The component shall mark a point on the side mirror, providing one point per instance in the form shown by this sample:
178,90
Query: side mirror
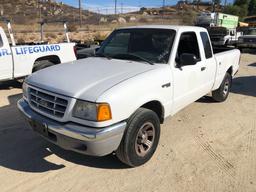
187,59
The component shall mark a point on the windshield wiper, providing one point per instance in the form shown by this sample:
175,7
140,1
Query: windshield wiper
131,56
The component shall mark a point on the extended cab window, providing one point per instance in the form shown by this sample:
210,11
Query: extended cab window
207,45
153,45
1,42
188,44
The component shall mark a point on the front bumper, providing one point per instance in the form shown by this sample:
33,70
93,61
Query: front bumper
71,136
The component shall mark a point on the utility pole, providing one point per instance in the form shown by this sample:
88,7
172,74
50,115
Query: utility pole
39,8
115,7
163,11
80,13
122,8
213,5
163,3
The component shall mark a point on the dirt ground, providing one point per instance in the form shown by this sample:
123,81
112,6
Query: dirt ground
204,148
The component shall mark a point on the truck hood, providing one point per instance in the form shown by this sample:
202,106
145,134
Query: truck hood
87,79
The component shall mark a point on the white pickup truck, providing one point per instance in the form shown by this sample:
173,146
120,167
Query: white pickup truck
221,36
116,101
20,61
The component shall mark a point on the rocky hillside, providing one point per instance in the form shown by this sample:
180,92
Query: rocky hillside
31,11
25,15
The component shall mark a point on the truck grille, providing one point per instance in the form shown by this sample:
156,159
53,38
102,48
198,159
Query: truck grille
47,103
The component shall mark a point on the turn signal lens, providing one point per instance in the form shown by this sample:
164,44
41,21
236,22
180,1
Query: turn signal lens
104,112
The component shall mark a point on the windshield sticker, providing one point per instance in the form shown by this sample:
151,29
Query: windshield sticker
37,49
4,52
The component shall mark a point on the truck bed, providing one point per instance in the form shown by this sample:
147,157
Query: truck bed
224,58
221,49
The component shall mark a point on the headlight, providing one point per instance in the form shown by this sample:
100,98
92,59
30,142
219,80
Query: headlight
25,90
92,111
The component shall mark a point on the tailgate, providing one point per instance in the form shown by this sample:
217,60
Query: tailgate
225,60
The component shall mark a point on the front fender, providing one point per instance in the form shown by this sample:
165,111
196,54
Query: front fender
126,97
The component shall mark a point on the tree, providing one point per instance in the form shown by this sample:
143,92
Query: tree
241,11
252,7
232,9
241,2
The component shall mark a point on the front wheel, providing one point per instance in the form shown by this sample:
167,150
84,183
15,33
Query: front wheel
222,93
140,139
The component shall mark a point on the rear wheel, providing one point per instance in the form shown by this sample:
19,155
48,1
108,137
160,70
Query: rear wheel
39,65
140,139
222,93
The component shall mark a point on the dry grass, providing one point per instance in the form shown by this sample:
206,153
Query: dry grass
88,33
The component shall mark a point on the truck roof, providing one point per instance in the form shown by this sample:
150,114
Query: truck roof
174,27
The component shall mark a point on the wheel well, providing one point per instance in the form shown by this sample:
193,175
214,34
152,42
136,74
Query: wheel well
230,71
157,107
52,58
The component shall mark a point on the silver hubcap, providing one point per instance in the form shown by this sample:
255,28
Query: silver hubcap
226,88
145,139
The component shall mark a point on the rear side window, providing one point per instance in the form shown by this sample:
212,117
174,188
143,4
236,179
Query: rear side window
188,44
1,41
207,45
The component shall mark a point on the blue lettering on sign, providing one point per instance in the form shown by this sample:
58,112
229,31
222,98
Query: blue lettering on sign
37,49
4,52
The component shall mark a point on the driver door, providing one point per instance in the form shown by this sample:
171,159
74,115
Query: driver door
187,81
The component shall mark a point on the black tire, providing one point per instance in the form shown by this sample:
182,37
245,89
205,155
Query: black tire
222,93
129,150
39,65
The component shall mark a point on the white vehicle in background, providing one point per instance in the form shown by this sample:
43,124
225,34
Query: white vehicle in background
221,27
221,36
17,61
116,101
248,40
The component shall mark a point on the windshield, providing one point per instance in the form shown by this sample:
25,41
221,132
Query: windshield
151,45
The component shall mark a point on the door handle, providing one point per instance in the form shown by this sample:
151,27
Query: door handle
166,85
203,68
